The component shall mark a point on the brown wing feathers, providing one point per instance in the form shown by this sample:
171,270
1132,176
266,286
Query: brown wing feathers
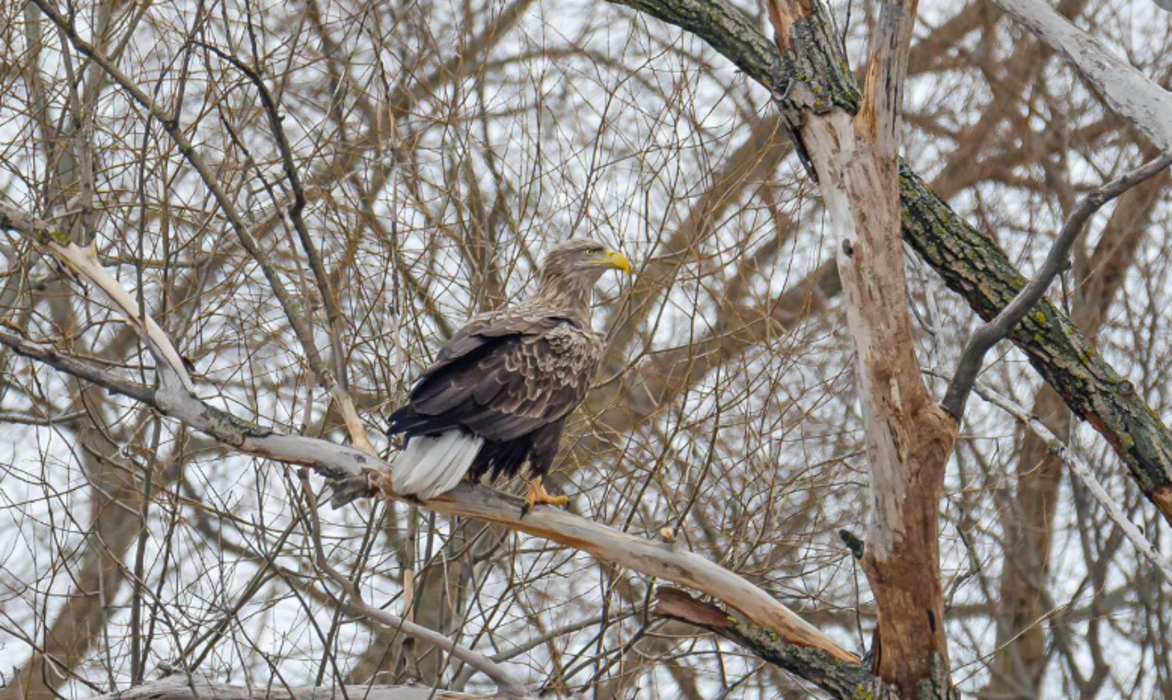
498,393
508,383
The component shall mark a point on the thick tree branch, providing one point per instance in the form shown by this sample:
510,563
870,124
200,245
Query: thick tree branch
840,679
993,332
908,437
969,261
179,688
1129,92
881,112
654,559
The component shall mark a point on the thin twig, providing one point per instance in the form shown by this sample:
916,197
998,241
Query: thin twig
506,684
299,323
1083,471
339,388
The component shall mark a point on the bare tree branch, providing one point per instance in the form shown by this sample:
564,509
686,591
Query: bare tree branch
339,389
1128,91
170,123
507,685
993,332
1083,471
841,680
970,262
356,468
179,688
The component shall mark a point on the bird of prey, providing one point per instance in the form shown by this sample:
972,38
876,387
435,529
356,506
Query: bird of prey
498,394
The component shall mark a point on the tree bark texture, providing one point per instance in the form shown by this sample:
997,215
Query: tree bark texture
969,261
909,437
841,680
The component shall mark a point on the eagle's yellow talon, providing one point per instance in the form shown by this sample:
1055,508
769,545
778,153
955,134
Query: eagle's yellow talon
539,496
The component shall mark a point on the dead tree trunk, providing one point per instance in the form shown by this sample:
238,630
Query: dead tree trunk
909,437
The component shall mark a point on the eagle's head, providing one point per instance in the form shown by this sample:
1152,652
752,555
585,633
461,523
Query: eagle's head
570,272
582,260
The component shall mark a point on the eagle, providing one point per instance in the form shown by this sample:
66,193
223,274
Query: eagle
498,393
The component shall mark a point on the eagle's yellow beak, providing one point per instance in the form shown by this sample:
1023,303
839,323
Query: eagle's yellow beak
615,259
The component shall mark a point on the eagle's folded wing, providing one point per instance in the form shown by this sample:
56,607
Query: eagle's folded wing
504,378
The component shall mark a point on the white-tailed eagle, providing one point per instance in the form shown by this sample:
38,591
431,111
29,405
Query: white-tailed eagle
498,394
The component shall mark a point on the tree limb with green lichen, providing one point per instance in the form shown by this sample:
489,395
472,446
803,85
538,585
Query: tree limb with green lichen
838,678
969,261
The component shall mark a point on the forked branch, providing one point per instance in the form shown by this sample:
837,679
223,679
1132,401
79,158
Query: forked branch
364,475
998,329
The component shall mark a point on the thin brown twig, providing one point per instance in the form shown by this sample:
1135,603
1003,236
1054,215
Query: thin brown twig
507,685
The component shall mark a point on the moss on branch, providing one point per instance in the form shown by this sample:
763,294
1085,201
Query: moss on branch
969,261
840,679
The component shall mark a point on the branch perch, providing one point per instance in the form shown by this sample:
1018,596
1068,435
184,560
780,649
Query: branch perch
358,474
178,688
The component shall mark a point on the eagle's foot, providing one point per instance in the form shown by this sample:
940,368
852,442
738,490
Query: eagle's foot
538,495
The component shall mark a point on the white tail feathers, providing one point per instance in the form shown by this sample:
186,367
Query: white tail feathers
434,465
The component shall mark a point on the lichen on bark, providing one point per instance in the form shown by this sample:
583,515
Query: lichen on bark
969,261
972,265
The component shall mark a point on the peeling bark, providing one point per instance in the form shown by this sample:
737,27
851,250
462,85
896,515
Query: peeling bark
909,437
1128,91
969,261
841,680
